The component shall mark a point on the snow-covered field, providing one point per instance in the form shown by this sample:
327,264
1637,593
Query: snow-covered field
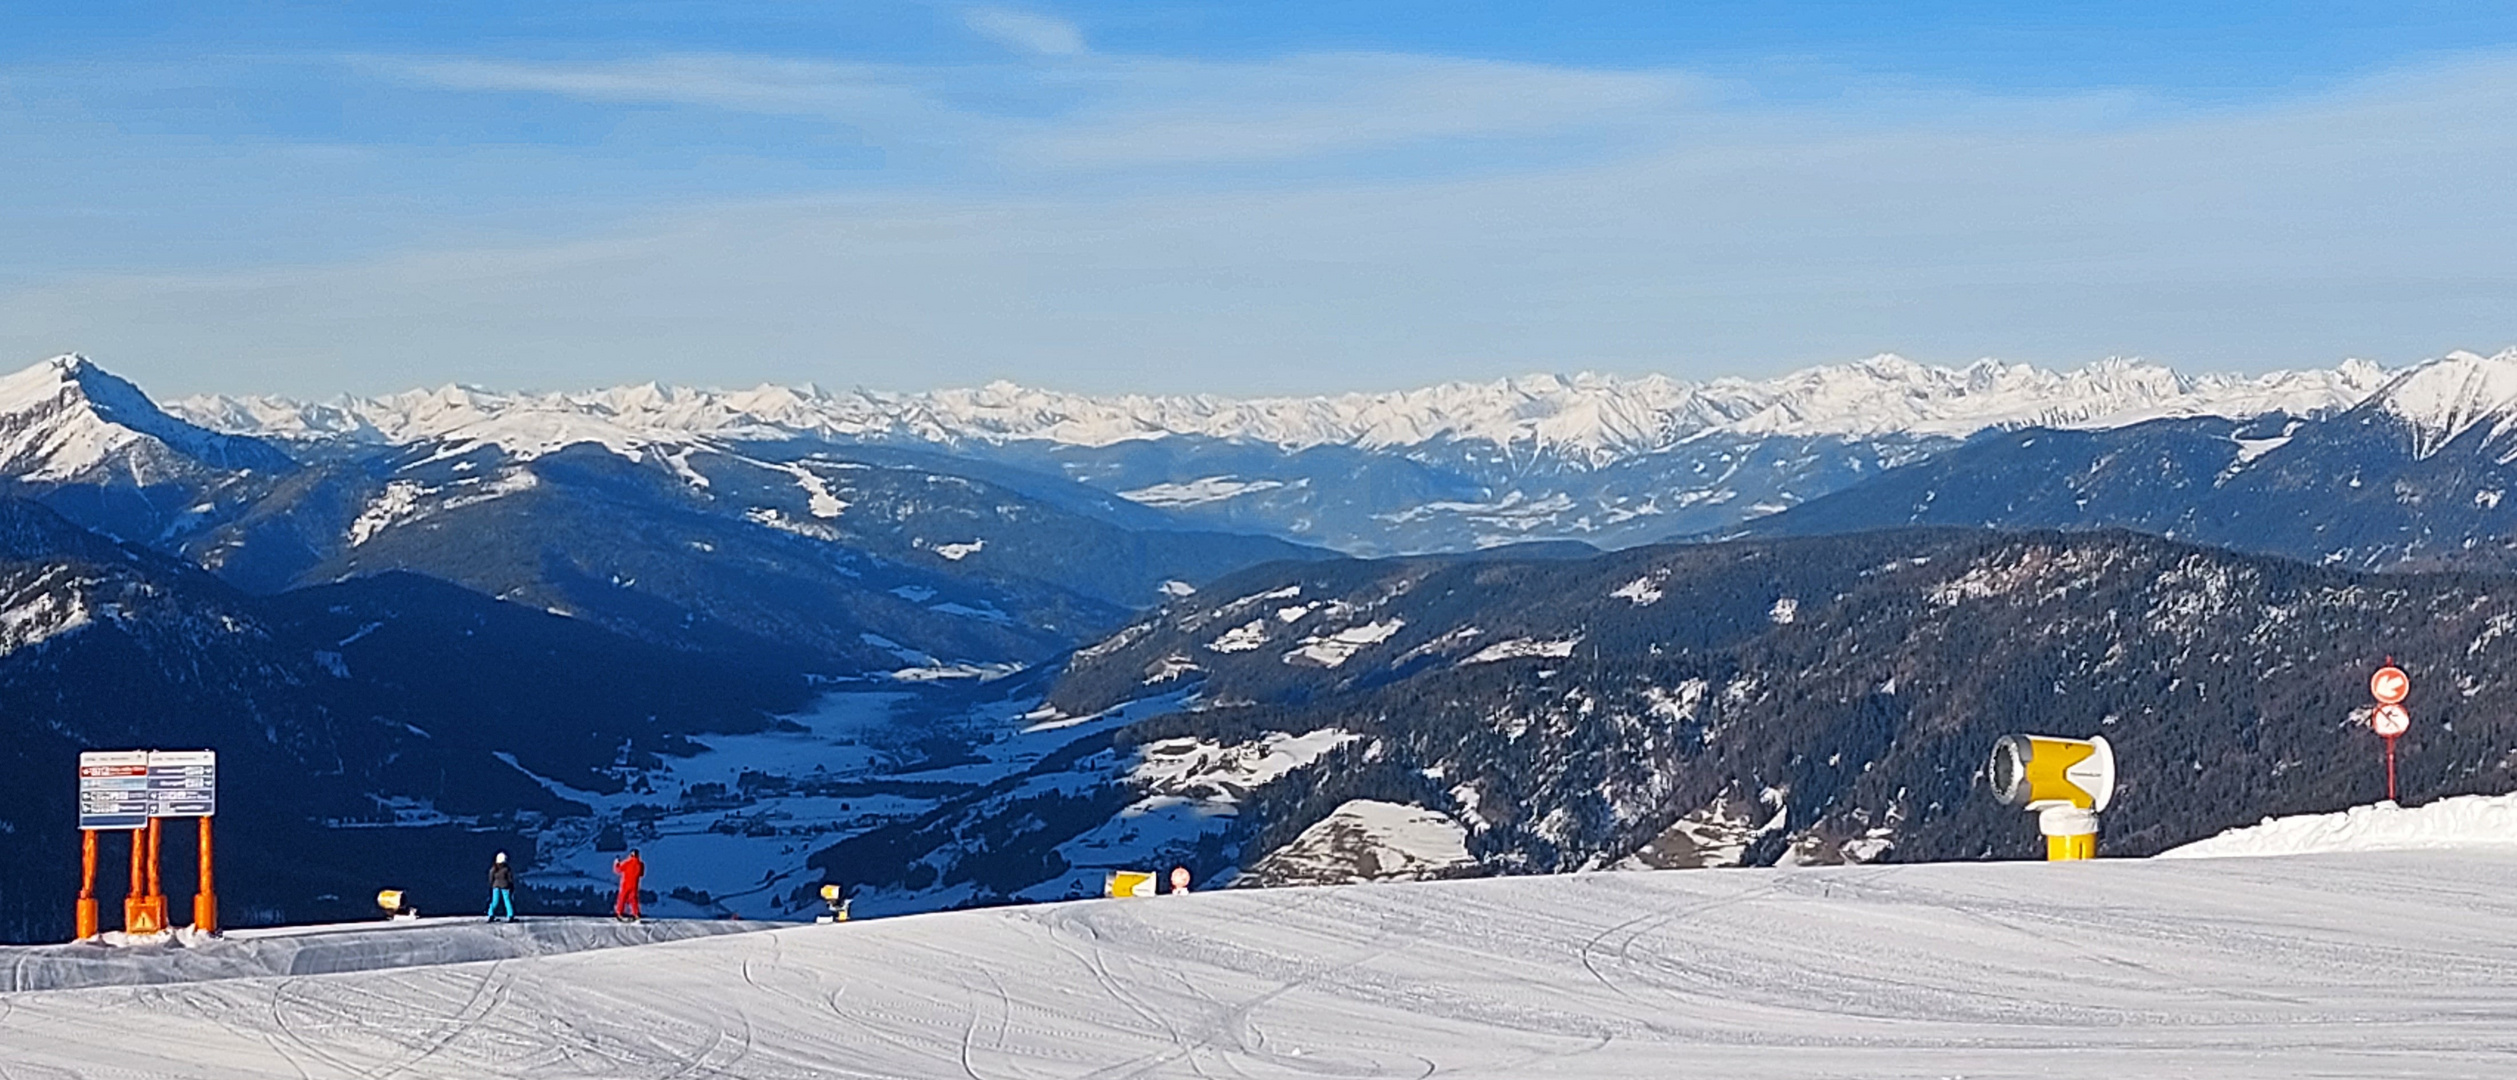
2401,964
2464,821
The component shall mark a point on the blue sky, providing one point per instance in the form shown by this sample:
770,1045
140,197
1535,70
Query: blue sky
1242,197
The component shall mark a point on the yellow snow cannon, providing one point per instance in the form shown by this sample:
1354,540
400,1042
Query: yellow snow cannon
836,899
391,901
2066,782
1129,883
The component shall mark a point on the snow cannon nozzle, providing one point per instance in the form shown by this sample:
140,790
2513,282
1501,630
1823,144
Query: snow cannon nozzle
2065,782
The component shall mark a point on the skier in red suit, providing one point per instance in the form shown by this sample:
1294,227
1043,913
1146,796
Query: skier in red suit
630,867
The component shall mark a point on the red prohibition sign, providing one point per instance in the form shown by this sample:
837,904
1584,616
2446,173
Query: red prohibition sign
2390,685
2390,721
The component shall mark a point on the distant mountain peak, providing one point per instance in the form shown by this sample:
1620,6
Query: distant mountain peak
2443,399
66,419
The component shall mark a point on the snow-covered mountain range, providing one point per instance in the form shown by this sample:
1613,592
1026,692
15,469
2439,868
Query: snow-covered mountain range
2413,476
1594,419
1602,459
1253,706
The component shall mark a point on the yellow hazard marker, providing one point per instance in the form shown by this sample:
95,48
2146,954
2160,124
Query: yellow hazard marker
1129,883
2066,782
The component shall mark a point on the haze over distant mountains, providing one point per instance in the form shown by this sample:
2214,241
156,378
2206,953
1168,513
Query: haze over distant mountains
1601,459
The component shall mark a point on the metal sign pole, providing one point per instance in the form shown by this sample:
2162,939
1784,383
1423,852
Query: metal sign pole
2390,768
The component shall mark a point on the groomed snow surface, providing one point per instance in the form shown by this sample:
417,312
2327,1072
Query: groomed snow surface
2401,964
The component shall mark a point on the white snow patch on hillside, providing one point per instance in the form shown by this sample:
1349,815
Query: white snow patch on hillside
2464,821
2250,449
398,502
1450,642
1330,650
1170,667
1197,768
1366,840
56,607
960,551
1210,489
1676,704
1717,835
1192,787
1643,591
777,519
818,499
956,671
1242,638
1523,648
529,434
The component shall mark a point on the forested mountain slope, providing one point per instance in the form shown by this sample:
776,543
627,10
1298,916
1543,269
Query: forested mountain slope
1818,699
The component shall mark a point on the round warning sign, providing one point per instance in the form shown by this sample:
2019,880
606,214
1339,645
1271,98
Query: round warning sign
2390,720
2389,685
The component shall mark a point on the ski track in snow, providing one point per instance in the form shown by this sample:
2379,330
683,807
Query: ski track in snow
2278,967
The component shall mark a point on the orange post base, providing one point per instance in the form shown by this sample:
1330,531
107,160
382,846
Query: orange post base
90,920
143,914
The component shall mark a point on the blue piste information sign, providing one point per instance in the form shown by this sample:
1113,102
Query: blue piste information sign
123,789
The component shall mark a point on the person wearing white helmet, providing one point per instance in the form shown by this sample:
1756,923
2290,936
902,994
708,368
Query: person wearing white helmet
502,888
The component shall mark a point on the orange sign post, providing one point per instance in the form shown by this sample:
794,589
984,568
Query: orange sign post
205,894
142,913
88,916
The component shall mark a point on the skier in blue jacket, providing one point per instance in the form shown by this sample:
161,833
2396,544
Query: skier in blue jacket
502,885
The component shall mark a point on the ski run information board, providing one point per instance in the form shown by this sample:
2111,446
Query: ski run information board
183,783
123,789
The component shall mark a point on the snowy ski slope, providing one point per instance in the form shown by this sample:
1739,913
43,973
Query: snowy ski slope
2400,964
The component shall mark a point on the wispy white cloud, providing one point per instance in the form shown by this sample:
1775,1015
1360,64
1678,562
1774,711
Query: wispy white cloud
881,98
1031,32
1127,112
1167,113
